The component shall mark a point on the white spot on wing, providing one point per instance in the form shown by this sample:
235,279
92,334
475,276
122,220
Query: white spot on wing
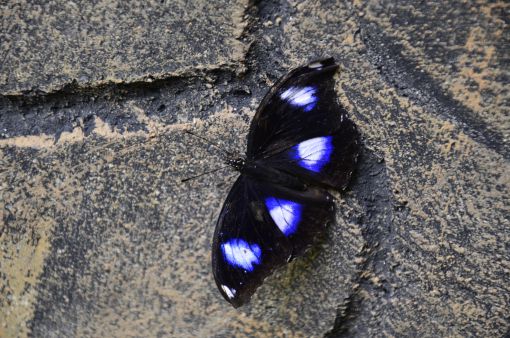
314,153
315,65
300,96
228,291
239,253
286,214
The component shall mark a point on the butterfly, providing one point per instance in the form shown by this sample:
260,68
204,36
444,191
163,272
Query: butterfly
300,143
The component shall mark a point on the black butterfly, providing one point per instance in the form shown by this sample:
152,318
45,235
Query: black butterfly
300,143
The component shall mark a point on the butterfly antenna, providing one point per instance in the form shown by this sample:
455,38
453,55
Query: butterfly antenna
228,153
202,174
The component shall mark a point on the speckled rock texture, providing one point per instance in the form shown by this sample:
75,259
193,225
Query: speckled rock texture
98,236
50,44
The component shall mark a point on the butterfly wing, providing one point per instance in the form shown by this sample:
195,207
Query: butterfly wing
327,160
300,128
261,227
300,106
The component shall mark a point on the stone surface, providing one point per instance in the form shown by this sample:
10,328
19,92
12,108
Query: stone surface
100,238
47,45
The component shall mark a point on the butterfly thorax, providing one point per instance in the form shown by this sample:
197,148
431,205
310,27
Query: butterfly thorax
262,172
236,163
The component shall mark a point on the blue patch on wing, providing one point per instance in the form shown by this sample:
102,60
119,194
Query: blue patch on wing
313,154
303,97
239,253
286,214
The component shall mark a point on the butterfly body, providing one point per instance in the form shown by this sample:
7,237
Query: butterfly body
300,144
264,173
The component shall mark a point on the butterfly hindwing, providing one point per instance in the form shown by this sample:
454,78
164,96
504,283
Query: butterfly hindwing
261,227
301,105
246,246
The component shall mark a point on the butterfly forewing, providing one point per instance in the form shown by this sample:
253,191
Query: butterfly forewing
261,227
300,106
328,159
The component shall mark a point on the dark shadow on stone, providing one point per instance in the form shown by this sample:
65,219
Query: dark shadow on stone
372,190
